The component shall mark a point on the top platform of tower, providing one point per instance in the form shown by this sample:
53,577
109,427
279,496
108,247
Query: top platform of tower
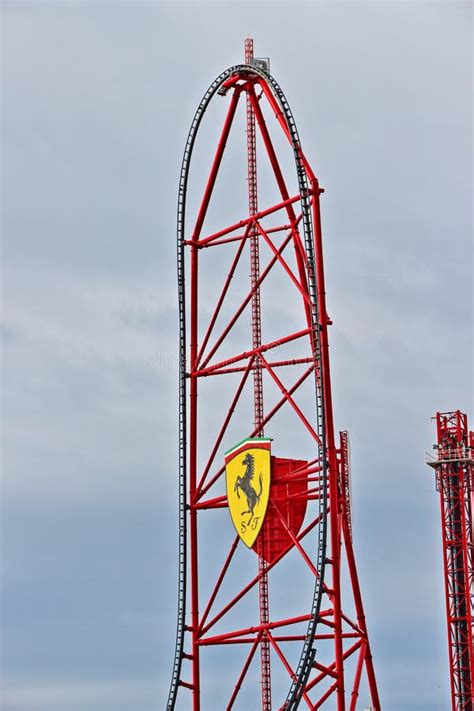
440,462
261,63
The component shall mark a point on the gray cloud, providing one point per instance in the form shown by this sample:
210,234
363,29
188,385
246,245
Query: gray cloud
97,100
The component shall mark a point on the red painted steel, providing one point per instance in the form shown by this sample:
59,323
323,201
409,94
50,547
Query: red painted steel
341,673
265,669
346,478
454,468
286,506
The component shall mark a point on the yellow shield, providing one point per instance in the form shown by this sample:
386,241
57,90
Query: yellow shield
248,470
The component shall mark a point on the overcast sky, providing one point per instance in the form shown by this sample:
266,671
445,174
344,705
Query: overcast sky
97,98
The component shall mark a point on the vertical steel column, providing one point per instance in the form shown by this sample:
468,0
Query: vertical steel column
454,473
193,401
346,479
365,657
335,501
257,375
193,396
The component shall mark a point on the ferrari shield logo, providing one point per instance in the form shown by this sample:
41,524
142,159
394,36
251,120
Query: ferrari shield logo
247,470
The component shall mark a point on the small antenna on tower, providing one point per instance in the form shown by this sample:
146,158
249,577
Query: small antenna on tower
262,63
248,50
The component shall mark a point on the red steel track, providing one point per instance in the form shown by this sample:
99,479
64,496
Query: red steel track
295,598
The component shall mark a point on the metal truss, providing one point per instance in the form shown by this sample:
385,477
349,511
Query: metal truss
454,468
311,648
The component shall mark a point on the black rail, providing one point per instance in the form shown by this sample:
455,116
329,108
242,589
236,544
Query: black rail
308,652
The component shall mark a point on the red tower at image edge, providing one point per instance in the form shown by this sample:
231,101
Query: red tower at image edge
454,468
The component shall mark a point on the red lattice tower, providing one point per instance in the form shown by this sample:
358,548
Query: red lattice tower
454,468
254,356
257,374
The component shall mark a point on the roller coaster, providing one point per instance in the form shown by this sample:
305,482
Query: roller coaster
270,611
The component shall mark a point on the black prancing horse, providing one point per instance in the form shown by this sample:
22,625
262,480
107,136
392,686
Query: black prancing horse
244,483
